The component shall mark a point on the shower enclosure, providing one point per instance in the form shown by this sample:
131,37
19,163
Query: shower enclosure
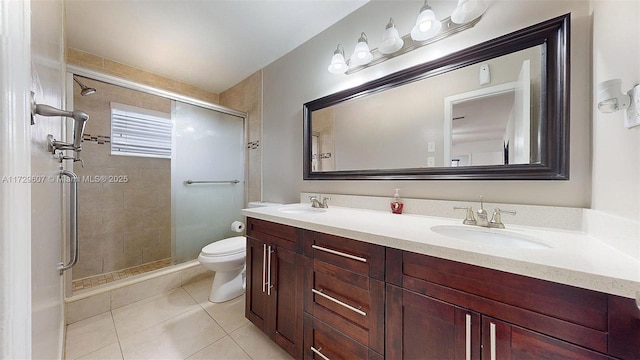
161,179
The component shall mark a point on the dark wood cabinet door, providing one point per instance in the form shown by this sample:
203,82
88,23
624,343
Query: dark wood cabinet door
420,327
501,340
286,300
256,301
322,342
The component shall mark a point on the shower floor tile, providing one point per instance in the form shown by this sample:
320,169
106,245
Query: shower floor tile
97,280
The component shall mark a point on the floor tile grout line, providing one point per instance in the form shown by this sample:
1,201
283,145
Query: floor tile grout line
117,336
190,308
240,346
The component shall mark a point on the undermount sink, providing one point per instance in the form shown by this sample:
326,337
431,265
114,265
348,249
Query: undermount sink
491,237
307,209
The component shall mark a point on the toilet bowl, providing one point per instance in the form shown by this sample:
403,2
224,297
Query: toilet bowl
227,258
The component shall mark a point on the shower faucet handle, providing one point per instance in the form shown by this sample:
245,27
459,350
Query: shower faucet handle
73,158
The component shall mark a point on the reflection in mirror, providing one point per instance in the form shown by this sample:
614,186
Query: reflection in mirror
448,119
411,126
495,125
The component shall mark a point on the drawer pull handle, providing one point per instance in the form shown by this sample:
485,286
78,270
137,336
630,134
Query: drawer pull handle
264,267
317,351
319,292
269,286
339,253
468,337
492,331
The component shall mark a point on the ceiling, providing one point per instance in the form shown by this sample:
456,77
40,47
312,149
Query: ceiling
212,44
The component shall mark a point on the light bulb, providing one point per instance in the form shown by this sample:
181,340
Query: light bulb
425,26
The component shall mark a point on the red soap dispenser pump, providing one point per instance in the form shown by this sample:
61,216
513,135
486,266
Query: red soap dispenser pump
396,204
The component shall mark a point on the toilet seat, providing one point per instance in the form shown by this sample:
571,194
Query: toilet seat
225,247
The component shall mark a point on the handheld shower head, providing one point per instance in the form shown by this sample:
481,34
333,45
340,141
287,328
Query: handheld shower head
85,90
80,118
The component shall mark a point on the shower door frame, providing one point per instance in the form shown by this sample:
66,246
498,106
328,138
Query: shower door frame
132,85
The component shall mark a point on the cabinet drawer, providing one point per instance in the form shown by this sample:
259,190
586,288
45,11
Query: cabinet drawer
284,236
322,342
350,302
353,255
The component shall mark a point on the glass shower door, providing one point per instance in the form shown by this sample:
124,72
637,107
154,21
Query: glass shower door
209,151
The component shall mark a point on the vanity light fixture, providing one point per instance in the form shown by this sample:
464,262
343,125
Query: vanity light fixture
338,65
427,30
611,99
427,26
468,10
391,40
361,54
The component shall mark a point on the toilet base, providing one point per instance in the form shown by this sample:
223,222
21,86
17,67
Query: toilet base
227,285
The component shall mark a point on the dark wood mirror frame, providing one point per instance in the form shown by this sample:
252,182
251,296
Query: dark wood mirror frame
553,35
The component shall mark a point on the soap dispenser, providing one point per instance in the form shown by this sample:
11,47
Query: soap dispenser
396,204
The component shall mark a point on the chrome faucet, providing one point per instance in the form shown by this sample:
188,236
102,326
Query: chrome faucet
481,217
317,204
496,219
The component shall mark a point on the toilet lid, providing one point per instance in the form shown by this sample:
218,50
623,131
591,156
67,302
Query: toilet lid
224,247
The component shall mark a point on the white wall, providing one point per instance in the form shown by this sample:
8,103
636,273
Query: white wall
616,150
302,75
15,161
47,50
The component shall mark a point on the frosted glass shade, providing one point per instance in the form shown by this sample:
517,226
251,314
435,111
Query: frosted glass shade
427,26
391,40
361,54
468,10
338,65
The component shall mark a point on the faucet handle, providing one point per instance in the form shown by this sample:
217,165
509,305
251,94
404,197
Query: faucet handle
496,219
324,201
469,218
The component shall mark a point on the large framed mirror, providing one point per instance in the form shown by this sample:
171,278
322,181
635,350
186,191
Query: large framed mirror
495,111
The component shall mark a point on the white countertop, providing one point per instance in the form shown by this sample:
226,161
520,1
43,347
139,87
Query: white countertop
575,258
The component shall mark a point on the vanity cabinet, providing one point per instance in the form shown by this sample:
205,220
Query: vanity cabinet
321,296
343,298
470,312
274,283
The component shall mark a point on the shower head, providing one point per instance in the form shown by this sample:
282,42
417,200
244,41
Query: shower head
85,89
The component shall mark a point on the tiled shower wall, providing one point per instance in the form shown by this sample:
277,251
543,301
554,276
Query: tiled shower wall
122,222
247,96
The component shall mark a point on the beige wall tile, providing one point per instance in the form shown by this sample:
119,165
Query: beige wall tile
88,307
247,96
111,67
195,274
132,293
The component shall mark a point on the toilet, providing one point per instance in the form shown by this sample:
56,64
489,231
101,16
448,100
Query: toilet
227,259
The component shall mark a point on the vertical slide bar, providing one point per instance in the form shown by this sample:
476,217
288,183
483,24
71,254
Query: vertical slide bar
73,221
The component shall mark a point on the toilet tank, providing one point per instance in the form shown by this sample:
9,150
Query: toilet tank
257,204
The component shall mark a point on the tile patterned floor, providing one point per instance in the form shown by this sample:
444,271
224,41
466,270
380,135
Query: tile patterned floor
178,324
89,282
